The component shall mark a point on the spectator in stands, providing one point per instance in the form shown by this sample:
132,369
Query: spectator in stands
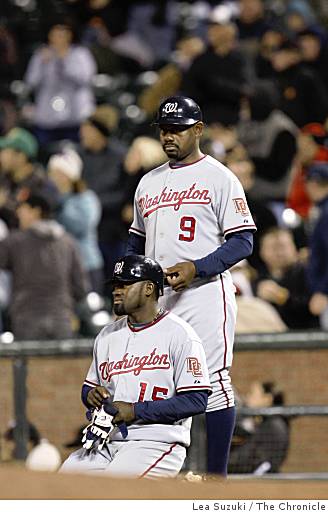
269,137
269,42
9,57
170,76
312,147
9,71
101,22
298,16
260,445
221,142
254,315
110,12
217,79
251,22
317,188
29,21
283,282
79,212
47,274
21,173
314,52
302,94
144,154
263,216
103,155
150,34
60,75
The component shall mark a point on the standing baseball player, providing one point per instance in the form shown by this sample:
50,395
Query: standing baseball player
151,365
191,215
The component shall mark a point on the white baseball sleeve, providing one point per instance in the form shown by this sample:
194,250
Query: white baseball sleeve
191,373
92,378
137,226
232,211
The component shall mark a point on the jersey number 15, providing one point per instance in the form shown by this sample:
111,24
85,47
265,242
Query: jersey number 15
158,392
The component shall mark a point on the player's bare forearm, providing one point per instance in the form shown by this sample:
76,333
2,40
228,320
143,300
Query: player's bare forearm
180,275
97,395
125,413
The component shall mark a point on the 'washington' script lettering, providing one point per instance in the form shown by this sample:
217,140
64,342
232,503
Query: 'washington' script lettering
134,364
174,198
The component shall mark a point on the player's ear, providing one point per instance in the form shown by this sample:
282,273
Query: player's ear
198,128
149,288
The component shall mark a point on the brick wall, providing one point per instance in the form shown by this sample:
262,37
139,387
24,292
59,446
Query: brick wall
302,376
54,404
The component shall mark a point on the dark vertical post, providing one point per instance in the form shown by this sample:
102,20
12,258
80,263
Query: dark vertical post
21,431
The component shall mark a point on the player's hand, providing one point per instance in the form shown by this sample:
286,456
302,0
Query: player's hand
125,413
318,303
96,396
180,275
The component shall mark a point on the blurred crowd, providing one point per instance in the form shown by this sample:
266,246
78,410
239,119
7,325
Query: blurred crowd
80,83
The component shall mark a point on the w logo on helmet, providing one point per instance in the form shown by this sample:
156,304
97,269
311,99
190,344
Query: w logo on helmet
170,107
194,366
118,269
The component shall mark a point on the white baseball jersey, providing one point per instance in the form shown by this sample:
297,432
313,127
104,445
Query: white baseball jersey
185,213
154,362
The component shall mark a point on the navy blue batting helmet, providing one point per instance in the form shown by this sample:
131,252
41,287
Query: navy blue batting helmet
134,268
178,110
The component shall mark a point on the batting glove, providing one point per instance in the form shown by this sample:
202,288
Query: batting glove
98,431
110,409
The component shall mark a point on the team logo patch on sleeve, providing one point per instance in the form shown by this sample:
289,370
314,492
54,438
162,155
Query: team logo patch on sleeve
241,206
194,366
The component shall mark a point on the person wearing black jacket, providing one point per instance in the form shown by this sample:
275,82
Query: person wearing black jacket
317,271
303,96
103,155
260,446
283,282
217,78
269,136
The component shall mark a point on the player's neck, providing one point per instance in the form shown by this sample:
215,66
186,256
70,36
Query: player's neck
189,159
145,317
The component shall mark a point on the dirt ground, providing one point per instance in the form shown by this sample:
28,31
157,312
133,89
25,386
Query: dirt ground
20,484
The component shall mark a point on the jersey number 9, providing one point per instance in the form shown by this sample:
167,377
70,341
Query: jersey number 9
188,226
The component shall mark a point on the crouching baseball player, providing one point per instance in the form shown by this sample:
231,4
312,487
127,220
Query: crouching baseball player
148,377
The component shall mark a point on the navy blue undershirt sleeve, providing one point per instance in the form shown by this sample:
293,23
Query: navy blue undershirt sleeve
237,247
172,409
84,394
135,244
